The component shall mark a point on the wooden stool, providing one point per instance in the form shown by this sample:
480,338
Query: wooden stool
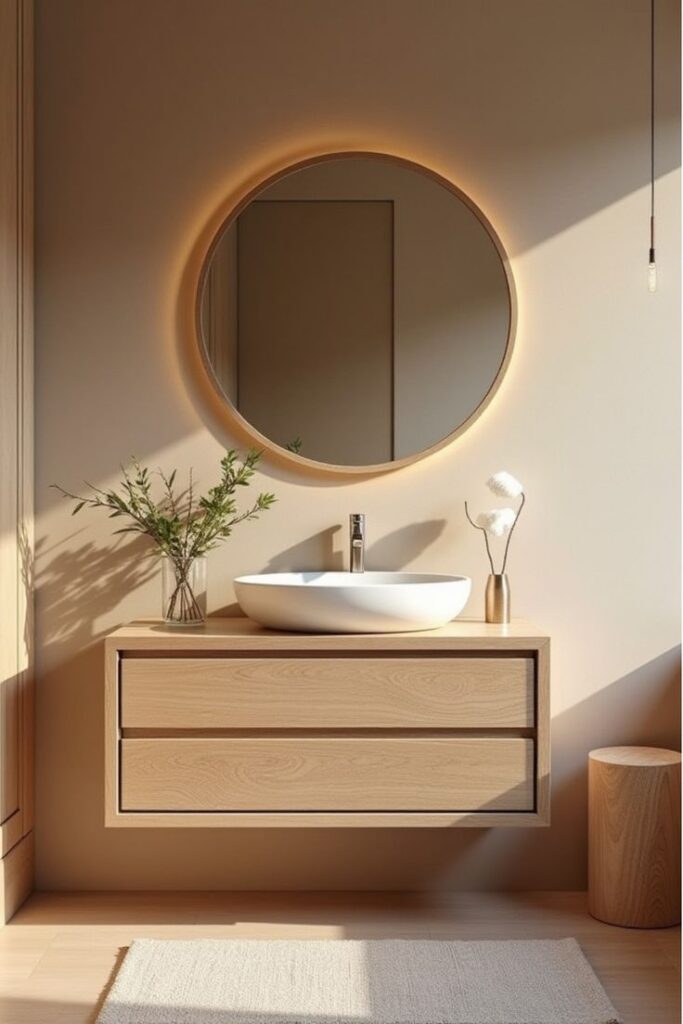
634,829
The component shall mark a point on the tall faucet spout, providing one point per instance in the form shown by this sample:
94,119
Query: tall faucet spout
357,542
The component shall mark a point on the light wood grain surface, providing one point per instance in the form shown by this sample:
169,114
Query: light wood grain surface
327,693
242,633
637,757
232,725
58,955
634,836
16,876
543,732
333,774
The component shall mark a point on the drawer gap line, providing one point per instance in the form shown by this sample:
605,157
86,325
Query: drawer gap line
329,733
331,654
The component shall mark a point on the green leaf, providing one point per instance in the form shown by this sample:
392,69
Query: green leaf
181,525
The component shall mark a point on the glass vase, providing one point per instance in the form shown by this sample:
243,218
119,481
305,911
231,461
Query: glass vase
183,591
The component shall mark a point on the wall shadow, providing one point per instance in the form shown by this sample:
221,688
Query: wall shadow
400,547
641,709
323,550
76,586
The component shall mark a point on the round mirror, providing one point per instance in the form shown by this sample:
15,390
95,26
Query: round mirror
357,311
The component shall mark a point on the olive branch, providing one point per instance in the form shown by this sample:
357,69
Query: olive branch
183,526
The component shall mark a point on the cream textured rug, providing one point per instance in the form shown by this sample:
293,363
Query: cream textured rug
252,981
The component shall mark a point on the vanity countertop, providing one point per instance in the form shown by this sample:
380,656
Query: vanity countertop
240,633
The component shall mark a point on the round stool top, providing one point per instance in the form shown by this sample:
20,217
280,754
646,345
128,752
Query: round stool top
636,757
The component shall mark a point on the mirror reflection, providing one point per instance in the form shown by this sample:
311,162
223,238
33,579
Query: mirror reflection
357,311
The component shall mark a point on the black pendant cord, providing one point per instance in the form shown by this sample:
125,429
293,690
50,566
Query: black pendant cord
652,131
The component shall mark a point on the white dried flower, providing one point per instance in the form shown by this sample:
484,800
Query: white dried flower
505,485
498,521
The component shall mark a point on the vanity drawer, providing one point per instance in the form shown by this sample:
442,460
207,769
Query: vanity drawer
327,693
327,773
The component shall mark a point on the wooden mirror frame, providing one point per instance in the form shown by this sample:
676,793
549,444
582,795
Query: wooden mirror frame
265,442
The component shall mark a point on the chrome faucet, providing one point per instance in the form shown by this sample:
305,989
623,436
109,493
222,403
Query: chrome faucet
357,542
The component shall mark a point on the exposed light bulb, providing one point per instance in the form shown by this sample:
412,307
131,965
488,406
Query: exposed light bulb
652,276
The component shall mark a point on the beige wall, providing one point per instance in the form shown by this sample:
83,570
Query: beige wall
150,114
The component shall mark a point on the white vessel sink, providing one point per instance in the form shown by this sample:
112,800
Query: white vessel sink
345,602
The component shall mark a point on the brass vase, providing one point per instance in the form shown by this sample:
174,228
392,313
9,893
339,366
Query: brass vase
498,598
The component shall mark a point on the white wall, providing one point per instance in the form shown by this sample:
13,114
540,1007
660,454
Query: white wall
150,115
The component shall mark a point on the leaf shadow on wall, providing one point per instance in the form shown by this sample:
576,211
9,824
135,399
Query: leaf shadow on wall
77,586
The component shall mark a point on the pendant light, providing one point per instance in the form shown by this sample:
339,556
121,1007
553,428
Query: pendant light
652,264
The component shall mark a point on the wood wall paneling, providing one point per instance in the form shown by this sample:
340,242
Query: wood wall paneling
16,451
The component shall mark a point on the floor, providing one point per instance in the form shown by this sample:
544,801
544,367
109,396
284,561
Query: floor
58,954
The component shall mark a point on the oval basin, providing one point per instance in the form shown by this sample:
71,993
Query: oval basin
345,602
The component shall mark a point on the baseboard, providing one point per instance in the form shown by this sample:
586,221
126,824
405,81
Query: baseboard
16,877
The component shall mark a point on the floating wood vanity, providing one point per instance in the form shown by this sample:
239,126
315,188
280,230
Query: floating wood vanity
234,725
